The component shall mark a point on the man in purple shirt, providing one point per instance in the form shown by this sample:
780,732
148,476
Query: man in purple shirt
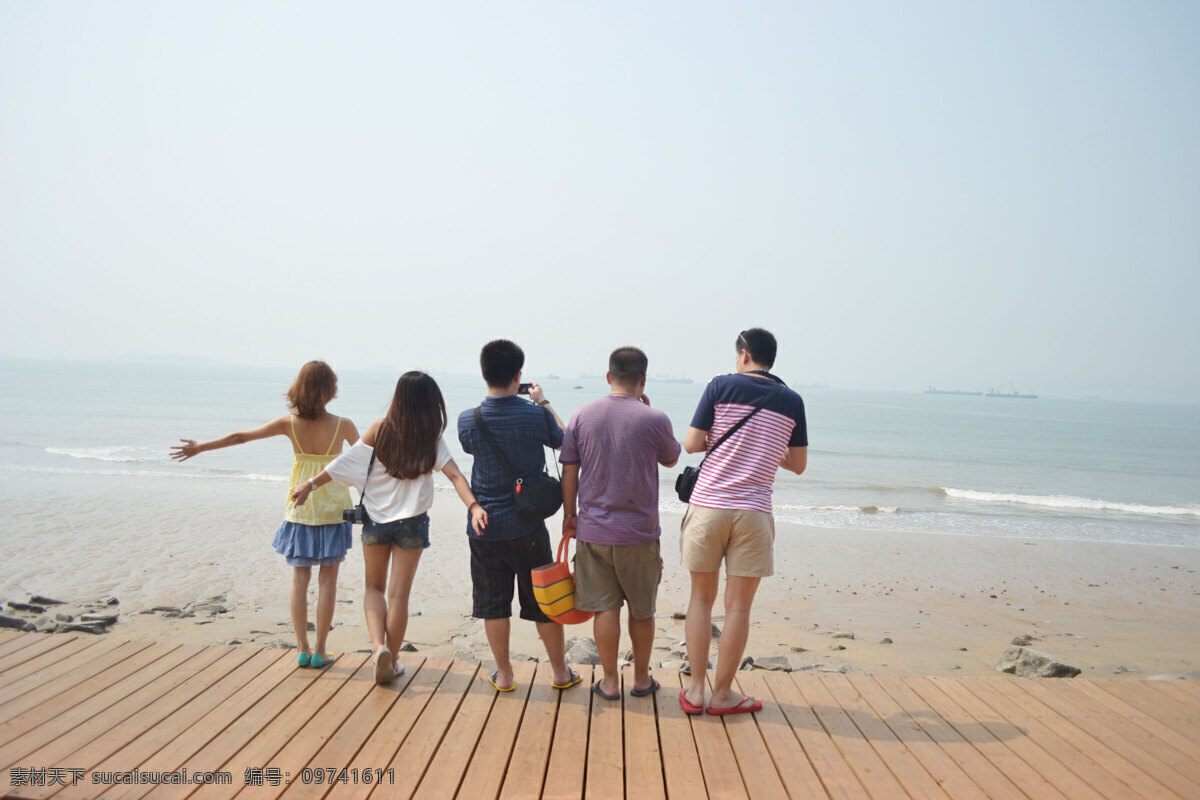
610,455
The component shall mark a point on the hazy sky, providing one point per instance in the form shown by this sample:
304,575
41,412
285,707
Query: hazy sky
966,194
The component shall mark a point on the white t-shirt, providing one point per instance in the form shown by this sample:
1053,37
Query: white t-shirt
387,499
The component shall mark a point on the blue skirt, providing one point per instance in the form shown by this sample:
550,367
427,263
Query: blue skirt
313,545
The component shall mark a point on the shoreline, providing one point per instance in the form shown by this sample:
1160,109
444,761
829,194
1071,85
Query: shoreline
950,604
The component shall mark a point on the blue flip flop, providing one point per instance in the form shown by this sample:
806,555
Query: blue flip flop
651,689
303,660
596,690
320,660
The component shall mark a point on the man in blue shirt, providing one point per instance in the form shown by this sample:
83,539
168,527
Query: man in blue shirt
510,547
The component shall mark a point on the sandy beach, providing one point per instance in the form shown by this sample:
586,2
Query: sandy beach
949,605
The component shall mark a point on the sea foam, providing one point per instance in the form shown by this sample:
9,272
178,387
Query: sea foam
1069,503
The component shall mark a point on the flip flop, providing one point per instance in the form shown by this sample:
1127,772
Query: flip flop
383,666
496,686
651,689
303,660
748,705
574,679
319,660
689,708
596,690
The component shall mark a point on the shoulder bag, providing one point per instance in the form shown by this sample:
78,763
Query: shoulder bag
685,482
538,495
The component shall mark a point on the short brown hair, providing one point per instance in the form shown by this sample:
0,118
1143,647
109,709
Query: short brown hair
627,365
315,386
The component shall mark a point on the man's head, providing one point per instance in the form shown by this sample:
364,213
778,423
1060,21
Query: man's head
501,362
758,345
627,367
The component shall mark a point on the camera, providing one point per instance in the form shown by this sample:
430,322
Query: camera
356,515
523,388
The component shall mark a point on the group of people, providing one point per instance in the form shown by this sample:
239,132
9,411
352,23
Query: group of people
611,450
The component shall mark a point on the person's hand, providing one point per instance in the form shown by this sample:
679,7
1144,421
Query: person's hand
300,493
479,518
645,398
536,394
569,525
182,452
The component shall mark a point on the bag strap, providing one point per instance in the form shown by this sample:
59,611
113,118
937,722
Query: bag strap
370,464
563,549
491,440
771,395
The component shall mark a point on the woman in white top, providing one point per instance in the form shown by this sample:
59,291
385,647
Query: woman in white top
395,461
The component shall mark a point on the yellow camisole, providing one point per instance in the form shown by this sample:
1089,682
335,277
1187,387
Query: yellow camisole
324,505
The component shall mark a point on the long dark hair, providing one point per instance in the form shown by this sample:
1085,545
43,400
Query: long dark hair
314,387
407,441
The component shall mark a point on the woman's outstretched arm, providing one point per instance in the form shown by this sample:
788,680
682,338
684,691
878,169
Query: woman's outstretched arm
479,519
190,447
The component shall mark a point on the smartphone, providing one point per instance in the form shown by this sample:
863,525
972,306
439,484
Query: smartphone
524,388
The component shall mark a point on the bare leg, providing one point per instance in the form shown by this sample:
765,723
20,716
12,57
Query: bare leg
404,569
299,606
739,597
376,558
698,631
606,627
326,597
641,633
556,649
497,631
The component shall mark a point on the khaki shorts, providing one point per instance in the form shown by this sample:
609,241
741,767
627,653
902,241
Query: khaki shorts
607,575
744,539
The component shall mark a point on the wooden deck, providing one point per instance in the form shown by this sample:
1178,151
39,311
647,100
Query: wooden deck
77,714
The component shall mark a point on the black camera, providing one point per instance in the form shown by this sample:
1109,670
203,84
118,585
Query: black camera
356,515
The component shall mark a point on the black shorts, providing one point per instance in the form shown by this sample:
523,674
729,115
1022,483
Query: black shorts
493,567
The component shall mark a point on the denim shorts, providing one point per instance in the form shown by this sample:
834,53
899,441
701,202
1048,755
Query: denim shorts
411,533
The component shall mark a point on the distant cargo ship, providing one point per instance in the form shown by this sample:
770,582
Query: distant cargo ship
935,390
1014,394
670,380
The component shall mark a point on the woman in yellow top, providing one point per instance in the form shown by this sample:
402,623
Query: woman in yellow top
314,534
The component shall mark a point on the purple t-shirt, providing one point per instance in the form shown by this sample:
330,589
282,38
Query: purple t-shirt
618,443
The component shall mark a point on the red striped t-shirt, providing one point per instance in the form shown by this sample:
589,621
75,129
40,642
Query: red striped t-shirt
741,473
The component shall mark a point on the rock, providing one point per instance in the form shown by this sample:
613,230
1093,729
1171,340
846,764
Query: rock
40,600
521,657
235,641
82,627
962,649
211,607
1124,670
747,663
64,618
26,607
679,615
885,640
838,647
408,647
15,622
843,635
204,622
583,651
172,614
268,633
774,663
1020,641
627,656
311,627
799,649
110,601
1024,662
103,619
167,610
716,632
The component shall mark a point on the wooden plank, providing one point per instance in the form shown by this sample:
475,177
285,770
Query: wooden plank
1177,690
1175,706
34,728
46,665
759,775
982,771
681,770
12,637
39,689
787,756
992,741
717,761
15,660
951,778
835,773
605,745
287,726
450,763
412,760
872,772
567,764
296,755
643,755
343,745
177,721
1169,737
531,753
484,776
415,693
1163,709
80,745
1111,752
253,698
908,770
1081,750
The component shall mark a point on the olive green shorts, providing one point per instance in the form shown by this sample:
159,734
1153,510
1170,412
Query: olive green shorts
607,575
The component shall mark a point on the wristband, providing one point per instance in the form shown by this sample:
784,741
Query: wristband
544,403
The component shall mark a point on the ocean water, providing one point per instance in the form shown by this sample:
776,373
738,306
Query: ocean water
87,433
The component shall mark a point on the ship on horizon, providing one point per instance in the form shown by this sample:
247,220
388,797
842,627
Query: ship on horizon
1013,395
935,390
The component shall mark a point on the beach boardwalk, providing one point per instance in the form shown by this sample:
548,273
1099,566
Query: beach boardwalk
87,717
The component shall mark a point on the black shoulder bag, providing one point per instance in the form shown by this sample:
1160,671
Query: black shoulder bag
538,495
685,482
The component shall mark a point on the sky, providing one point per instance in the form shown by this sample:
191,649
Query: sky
960,194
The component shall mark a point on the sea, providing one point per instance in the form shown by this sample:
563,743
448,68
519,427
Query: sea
87,485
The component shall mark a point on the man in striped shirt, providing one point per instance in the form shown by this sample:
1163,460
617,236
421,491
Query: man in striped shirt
729,514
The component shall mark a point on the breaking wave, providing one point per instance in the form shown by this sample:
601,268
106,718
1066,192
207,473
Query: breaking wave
1069,503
